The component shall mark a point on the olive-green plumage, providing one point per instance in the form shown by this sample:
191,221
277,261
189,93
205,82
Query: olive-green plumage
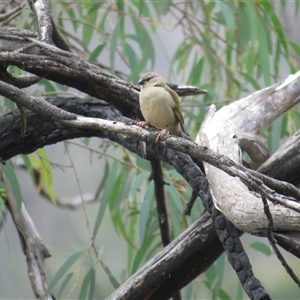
159,104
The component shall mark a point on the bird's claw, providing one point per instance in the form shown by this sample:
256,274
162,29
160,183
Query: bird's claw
160,134
143,124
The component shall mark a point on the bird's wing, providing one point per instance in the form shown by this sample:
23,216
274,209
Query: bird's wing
176,108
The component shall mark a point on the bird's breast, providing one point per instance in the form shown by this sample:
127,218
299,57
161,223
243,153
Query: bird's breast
157,108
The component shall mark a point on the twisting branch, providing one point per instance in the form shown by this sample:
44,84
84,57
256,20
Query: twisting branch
273,242
201,153
191,260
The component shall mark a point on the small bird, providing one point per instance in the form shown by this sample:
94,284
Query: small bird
160,105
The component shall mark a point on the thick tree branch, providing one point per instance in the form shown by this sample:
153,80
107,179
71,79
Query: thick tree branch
285,161
68,69
230,195
33,103
56,132
44,19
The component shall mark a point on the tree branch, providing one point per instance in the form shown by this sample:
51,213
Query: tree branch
33,246
50,131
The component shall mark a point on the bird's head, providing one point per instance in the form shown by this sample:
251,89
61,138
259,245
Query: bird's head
151,79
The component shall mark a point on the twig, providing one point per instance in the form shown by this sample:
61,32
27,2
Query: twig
273,242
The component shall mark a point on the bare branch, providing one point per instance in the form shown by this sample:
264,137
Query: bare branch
44,20
273,243
190,265
33,103
17,32
10,15
286,159
33,246
248,115
201,153
66,68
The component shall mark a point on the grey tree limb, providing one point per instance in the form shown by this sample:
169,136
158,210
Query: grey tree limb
33,246
249,115
50,131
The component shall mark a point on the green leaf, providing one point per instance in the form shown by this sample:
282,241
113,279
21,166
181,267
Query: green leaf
120,5
64,284
116,196
103,21
142,7
84,286
152,223
228,15
280,32
2,207
222,294
196,73
72,15
97,51
163,7
264,56
240,293
46,174
276,136
277,59
48,86
120,227
92,284
109,185
295,47
88,29
261,247
114,44
132,58
64,268
145,42
175,217
244,24
182,55
251,80
102,183
140,178
141,254
175,198
145,210
23,17
11,177
210,274
132,233
88,282
220,264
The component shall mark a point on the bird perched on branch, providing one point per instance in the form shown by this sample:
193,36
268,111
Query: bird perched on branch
160,105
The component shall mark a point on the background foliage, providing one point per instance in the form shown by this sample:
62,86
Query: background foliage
229,48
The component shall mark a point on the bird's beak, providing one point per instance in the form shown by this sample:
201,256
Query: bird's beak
141,81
